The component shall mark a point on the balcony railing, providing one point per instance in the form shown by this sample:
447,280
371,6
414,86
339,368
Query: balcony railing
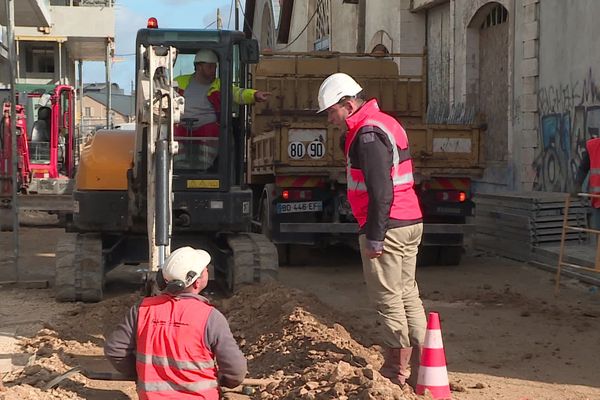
83,3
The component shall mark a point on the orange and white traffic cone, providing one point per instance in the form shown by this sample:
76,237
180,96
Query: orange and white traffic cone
433,375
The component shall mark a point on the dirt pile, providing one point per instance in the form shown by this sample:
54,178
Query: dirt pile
51,352
294,341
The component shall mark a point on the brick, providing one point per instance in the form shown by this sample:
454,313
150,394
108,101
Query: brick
529,67
531,31
530,49
529,102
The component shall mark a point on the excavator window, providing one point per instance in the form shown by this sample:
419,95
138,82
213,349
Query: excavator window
199,129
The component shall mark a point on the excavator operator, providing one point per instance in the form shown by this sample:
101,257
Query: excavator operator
202,93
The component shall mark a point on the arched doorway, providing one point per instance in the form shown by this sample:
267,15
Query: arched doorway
488,80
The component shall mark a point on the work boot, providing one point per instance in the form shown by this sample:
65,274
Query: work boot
415,363
396,365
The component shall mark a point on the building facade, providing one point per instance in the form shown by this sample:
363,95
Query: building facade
526,69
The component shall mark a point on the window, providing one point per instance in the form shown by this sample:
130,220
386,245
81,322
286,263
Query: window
322,26
497,16
88,111
39,58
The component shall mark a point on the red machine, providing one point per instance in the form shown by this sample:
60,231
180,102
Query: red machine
46,151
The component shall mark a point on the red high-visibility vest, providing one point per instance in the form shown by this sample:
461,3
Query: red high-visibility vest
172,359
405,205
593,148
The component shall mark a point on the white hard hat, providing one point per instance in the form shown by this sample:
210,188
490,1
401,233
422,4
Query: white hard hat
185,265
334,88
206,56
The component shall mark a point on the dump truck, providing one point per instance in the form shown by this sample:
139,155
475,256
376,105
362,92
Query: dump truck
296,165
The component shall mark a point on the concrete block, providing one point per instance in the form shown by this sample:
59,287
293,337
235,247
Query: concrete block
529,120
531,31
531,13
530,48
528,155
530,85
529,67
529,138
529,102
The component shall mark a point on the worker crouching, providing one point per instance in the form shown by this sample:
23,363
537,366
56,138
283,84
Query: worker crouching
176,344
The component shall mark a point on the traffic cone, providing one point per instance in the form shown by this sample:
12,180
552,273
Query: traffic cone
433,375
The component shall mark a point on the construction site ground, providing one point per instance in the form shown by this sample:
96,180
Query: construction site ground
313,336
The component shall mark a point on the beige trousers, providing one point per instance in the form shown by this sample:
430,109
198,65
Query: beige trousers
393,289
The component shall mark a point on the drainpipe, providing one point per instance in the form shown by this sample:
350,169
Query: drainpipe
60,77
362,22
10,11
108,88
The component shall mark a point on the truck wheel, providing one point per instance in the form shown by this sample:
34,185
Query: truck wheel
266,226
428,255
450,255
265,219
79,274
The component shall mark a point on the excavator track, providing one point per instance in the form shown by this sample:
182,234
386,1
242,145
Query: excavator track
254,260
79,268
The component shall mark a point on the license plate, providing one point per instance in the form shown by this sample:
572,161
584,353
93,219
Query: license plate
448,210
305,206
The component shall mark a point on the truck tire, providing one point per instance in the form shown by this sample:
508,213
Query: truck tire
79,274
428,255
266,225
450,255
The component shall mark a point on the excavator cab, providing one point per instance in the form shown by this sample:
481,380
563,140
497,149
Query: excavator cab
142,193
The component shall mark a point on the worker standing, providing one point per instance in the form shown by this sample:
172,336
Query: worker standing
590,163
176,344
380,192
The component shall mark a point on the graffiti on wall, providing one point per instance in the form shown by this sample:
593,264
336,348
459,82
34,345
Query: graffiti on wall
569,116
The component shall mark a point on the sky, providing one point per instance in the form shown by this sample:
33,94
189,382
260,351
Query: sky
131,15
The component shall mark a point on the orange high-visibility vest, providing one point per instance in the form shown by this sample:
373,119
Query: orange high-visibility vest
172,359
405,205
593,148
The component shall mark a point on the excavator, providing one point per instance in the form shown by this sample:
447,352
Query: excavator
46,151
140,193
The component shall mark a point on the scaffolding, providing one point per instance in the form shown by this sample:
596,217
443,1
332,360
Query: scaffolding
570,228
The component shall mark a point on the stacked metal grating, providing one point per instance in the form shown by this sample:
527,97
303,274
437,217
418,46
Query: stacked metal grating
510,224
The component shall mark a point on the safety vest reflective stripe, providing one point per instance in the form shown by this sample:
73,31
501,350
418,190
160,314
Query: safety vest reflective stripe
174,387
362,187
398,178
403,179
240,96
595,171
169,362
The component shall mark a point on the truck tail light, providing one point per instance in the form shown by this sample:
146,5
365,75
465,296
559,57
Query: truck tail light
297,194
452,196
